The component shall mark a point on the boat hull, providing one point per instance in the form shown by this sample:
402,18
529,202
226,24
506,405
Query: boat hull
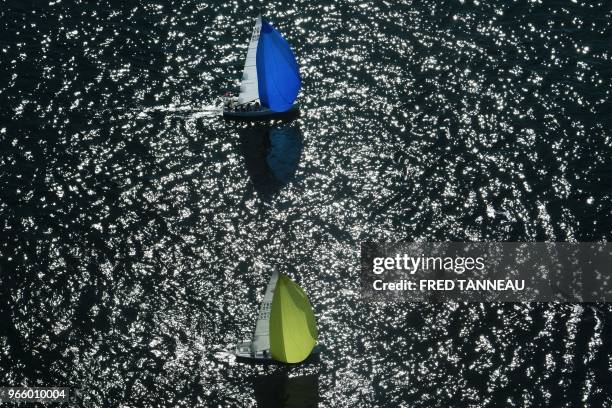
260,114
260,358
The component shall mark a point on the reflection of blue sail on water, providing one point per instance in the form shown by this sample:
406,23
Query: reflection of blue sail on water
280,390
284,154
272,155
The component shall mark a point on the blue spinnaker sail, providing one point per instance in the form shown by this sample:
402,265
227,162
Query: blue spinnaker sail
278,75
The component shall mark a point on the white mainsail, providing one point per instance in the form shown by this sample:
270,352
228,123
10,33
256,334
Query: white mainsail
261,339
249,90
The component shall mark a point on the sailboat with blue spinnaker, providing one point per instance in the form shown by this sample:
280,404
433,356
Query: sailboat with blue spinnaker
270,80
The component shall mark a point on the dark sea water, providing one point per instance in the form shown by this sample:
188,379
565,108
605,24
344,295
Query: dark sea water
131,215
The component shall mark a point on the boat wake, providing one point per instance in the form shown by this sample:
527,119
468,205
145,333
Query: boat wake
185,111
225,357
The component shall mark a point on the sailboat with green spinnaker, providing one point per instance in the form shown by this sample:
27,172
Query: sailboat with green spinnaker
286,329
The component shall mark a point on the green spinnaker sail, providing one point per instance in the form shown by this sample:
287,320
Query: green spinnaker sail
293,328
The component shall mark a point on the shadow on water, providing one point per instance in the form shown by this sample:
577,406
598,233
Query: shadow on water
280,390
272,154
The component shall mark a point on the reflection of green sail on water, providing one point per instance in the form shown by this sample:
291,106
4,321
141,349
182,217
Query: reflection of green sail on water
286,327
281,390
